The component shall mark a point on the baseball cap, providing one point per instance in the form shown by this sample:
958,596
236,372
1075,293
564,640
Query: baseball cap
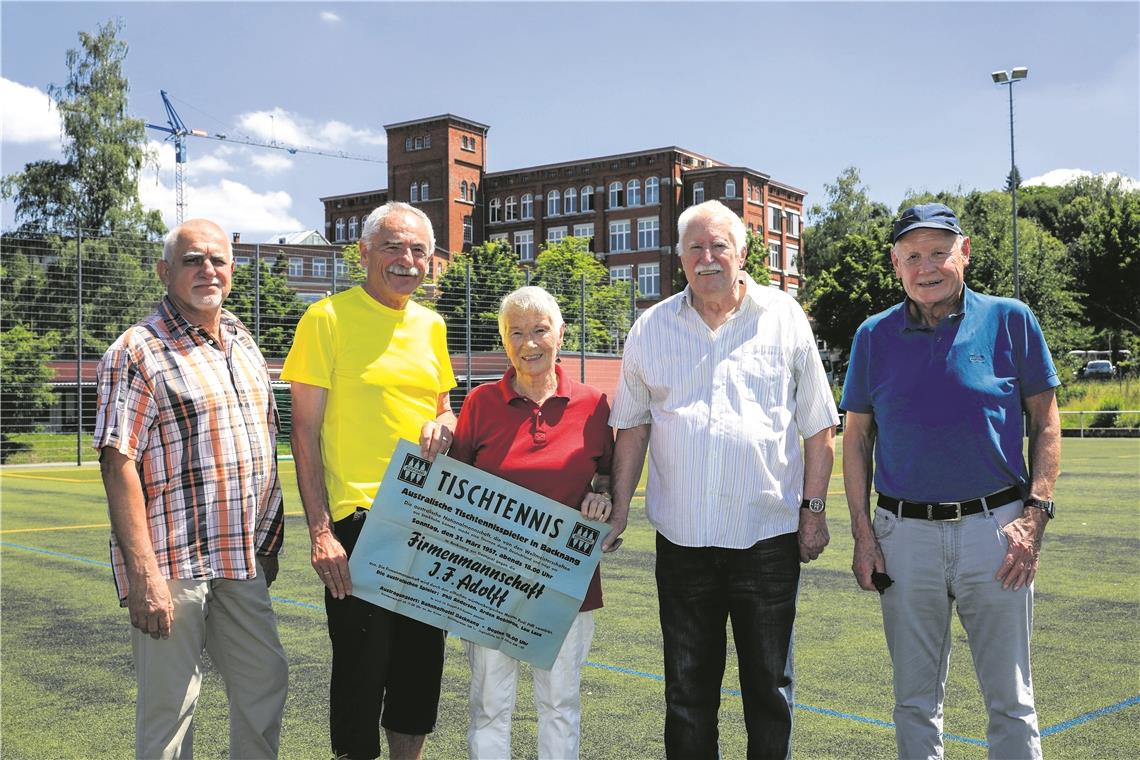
928,215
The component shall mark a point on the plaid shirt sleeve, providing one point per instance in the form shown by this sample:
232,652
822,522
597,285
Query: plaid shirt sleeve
126,409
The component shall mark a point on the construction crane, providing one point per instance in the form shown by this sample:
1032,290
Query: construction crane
177,132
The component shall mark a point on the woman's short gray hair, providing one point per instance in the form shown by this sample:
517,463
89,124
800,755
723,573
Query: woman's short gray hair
531,299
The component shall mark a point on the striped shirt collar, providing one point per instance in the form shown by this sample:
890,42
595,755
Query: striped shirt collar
754,295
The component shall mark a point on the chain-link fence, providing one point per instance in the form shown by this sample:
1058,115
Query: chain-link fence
65,298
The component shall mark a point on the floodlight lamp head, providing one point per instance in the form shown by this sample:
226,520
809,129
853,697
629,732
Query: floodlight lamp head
1000,77
1021,72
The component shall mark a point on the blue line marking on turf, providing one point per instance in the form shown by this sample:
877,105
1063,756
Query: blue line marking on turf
1067,724
1045,732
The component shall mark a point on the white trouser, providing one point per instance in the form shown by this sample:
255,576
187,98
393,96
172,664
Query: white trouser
494,677
234,622
935,564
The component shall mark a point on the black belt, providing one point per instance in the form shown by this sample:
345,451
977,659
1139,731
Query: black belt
952,510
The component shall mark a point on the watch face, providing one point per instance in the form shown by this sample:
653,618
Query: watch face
816,505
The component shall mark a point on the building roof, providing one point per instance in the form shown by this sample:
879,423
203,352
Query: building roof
478,126
613,157
301,237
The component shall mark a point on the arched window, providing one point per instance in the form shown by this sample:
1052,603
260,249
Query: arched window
352,229
414,193
512,209
615,194
652,191
588,198
633,192
339,229
471,187
570,201
552,199
527,206
424,190
730,188
496,210
463,190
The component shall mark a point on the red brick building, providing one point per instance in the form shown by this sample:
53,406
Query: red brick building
627,203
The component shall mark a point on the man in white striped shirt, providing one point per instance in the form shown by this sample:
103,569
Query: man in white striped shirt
720,382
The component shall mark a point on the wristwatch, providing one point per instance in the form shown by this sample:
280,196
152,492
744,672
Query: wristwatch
1043,504
815,505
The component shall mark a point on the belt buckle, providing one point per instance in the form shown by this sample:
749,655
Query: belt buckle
957,509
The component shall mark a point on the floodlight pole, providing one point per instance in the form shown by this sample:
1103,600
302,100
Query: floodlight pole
1008,80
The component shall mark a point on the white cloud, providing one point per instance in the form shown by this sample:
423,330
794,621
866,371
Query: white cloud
282,127
27,114
270,163
1059,177
329,17
198,162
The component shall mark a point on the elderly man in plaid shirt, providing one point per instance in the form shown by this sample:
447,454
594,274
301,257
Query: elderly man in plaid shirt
185,430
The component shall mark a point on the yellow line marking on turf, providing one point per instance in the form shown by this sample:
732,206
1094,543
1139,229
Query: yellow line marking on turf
54,527
45,477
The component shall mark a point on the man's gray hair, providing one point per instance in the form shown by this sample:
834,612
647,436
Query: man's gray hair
713,209
170,242
531,299
380,213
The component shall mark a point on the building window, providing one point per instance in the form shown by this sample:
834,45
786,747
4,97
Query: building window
468,229
649,279
496,210
407,145
424,190
775,260
648,234
698,192
633,192
524,245
552,202
793,259
775,284
512,209
419,143
615,195
471,192
414,192
352,228
584,230
623,273
241,261
619,235
793,224
500,237
427,141
320,267
463,190
775,220
528,206
570,201
468,143
730,188
555,234
339,230
296,266
794,291
652,191
588,198
341,268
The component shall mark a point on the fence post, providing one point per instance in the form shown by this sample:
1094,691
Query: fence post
467,313
1082,424
78,346
257,293
632,298
582,323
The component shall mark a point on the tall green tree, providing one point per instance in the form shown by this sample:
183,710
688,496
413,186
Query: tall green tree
262,299
494,273
561,269
861,283
848,210
25,381
95,186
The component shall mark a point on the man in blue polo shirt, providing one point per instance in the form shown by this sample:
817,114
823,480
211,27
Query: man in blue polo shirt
936,390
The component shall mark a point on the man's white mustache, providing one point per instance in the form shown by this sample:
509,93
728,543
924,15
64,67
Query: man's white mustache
412,271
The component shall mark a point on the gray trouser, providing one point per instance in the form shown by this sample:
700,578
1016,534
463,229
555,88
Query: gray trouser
934,565
234,622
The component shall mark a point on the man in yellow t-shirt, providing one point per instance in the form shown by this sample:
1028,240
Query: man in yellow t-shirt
367,367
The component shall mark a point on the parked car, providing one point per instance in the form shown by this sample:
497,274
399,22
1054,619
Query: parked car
1098,369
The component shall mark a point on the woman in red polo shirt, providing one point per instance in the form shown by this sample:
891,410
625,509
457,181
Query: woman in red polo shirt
539,429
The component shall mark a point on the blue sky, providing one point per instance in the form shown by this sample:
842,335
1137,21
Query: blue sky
796,90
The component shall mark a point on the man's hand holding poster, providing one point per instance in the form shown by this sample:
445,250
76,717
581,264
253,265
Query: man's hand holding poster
455,547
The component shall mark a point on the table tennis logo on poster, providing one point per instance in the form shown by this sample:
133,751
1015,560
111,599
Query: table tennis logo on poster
582,539
414,470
